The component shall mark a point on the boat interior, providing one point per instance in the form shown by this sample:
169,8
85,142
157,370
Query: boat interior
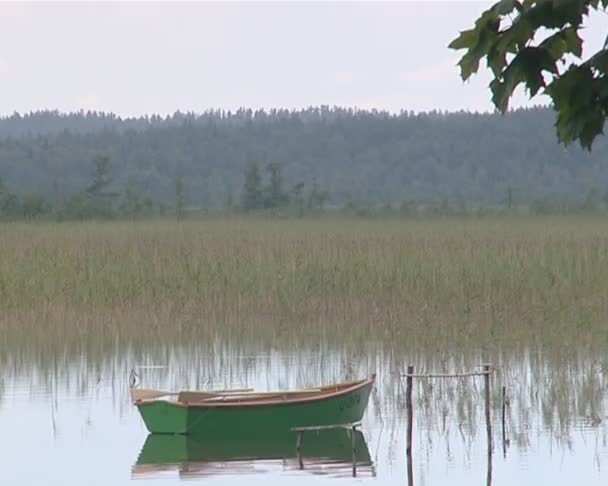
139,395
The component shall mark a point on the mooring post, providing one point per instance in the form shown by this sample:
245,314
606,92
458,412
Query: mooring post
410,422
353,436
504,433
299,448
487,369
486,376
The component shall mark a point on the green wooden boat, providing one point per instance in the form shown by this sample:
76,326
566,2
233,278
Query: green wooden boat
232,412
188,456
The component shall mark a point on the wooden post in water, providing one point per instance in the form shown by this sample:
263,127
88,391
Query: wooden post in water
486,377
353,436
487,370
410,422
299,448
504,433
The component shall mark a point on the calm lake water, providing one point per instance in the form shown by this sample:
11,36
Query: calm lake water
67,420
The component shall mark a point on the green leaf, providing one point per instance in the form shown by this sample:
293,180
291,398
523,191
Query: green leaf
573,41
502,90
555,14
599,61
593,125
527,67
496,61
505,7
486,34
562,42
571,11
469,64
534,61
561,89
602,90
466,40
517,36
580,116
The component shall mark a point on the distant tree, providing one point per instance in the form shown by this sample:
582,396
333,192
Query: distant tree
531,42
592,200
229,200
102,177
9,202
100,198
317,197
509,198
252,197
407,208
76,206
460,206
133,202
34,206
298,198
180,198
57,198
274,195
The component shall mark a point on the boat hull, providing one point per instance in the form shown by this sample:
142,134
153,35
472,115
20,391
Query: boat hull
170,417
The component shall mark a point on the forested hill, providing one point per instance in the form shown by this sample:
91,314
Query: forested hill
361,157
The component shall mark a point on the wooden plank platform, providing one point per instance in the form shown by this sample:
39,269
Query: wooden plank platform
353,425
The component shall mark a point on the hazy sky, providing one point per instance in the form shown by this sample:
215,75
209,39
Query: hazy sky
134,58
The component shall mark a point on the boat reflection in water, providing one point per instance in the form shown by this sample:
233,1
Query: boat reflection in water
327,452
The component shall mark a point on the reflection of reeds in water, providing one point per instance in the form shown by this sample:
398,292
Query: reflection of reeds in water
548,396
556,398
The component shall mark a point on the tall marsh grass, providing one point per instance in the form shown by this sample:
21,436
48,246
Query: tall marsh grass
430,283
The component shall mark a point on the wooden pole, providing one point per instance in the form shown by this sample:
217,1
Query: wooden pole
410,422
299,448
487,370
353,434
504,433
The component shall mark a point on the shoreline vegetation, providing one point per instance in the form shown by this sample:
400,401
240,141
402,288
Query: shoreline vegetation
423,283
263,194
90,166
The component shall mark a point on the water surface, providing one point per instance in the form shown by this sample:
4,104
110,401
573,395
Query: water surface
68,420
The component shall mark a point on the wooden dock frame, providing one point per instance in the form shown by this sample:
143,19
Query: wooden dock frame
486,372
352,427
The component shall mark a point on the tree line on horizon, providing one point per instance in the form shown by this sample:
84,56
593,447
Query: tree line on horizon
291,161
98,201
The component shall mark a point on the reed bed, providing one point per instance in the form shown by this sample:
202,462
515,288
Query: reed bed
284,303
435,284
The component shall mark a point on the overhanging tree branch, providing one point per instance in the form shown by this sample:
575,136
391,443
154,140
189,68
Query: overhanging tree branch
505,37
